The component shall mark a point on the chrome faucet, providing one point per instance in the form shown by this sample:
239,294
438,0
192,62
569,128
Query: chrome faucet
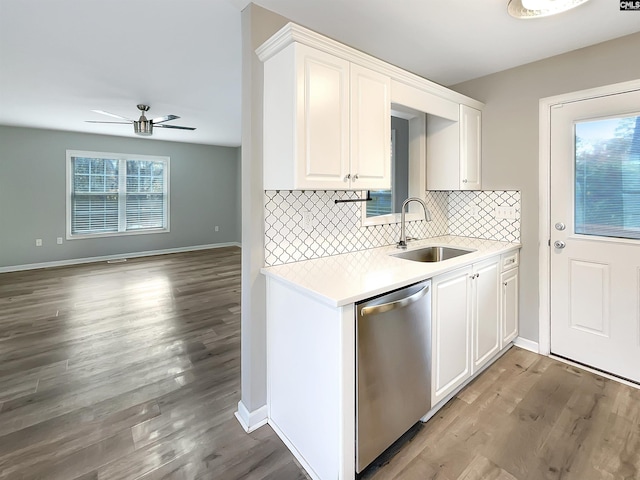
427,216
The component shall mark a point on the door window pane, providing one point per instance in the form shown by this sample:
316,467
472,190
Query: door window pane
607,177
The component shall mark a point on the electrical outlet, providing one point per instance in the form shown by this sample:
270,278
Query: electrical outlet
38,242
505,211
307,221
216,228
474,210
59,240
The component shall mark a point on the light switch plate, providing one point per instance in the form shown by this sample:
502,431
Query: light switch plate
505,211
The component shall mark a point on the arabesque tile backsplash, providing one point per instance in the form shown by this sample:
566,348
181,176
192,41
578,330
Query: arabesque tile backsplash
337,228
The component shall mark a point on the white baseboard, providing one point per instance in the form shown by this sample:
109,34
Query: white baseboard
251,421
103,258
527,344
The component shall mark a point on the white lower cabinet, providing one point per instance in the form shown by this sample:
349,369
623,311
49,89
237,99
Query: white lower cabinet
311,356
451,328
465,324
509,305
485,312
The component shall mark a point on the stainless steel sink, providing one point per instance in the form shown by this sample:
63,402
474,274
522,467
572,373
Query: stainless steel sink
432,254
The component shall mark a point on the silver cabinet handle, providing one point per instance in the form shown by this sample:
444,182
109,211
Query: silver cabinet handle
355,177
474,276
560,226
559,244
347,177
505,284
386,307
464,181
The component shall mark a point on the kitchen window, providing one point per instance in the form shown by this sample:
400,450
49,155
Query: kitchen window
385,205
111,194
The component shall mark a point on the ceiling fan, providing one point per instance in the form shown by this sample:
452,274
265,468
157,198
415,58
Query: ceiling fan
143,126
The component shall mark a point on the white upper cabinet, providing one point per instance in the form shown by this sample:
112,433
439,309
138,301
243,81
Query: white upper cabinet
370,129
453,151
327,123
470,155
327,118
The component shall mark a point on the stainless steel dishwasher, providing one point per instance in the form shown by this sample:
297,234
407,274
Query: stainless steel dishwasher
393,365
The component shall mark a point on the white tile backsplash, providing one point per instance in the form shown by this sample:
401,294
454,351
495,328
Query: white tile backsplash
337,228
485,224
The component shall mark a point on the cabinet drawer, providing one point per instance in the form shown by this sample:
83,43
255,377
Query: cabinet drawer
510,260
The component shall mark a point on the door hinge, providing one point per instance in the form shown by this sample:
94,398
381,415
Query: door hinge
549,244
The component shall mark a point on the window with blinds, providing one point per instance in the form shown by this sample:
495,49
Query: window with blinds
116,194
607,177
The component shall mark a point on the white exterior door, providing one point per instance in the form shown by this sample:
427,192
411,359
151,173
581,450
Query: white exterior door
595,233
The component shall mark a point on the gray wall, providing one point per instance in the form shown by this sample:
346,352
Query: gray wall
510,134
258,24
203,183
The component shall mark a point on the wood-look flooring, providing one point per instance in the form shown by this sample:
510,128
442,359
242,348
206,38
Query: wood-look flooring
132,371
527,417
128,371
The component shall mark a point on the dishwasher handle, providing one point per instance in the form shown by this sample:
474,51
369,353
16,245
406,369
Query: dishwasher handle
387,307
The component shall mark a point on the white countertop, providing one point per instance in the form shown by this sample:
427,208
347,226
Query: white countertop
342,279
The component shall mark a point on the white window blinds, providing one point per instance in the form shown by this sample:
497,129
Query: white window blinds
607,177
112,194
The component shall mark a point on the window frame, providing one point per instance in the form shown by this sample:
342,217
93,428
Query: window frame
121,157
417,169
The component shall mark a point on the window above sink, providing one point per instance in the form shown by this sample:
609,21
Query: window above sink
408,170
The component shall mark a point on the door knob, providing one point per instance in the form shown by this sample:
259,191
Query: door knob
560,226
559,244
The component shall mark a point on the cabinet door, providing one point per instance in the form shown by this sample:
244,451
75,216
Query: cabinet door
470,154
370,129
451,329
322,120
509,305
486,312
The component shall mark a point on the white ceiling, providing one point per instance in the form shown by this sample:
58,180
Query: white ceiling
61,59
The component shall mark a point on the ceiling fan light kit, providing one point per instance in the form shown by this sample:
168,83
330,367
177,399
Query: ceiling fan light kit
527,9
143,126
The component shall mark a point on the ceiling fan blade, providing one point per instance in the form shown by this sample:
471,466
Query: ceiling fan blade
100,121
164,119
174,126
111,114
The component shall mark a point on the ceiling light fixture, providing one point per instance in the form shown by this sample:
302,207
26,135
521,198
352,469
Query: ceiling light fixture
540,8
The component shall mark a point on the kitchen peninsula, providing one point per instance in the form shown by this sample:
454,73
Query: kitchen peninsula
311,342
